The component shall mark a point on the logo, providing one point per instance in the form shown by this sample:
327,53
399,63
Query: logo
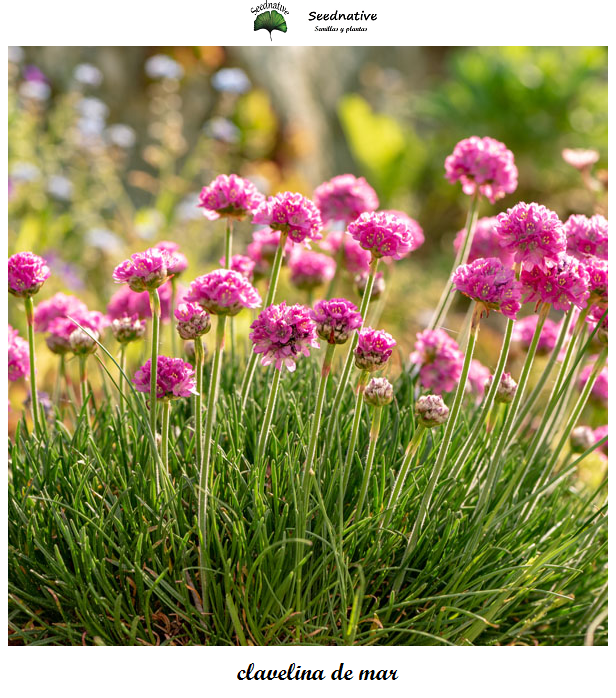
272,19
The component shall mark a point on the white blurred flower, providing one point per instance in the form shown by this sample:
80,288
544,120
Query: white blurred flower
16,54
222,130
104,239
161,66
231,80
121,135
92,108
88,74
24,172
60,187
35,89
188,209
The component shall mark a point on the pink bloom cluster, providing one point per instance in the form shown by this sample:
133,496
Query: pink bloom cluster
242,264
19,355
374,347
282,333
27,272
595,316
599,389
439,358
486,242
262,249
383,234
344,198
335,319
59,305
174,378
177,261
482,165
478,374
356,260
524,329
293,214
598,282
561,285
230,196
587,236
533,234
489,282
223,292
61,328
580,158
193,320
144,271
416,230
311,269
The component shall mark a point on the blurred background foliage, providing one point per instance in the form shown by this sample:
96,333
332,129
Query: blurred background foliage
110,146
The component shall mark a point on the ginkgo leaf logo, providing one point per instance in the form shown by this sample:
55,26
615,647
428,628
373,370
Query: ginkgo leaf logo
272,21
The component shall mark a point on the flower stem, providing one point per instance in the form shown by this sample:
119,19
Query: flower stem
271,295
359,402
374,435
57,393
205,465
83,383
199,402
228,243
29,307
165,436
155,307
267,419
174,338
122,371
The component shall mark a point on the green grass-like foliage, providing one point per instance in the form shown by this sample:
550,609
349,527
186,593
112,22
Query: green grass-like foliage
96,557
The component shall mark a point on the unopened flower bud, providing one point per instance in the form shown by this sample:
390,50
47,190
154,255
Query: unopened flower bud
193,320
431,411
581,439
506,388
378,392
83,343
128,329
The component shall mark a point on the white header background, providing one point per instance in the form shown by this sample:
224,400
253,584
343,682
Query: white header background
200,671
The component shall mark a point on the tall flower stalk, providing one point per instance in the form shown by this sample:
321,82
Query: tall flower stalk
29,309
155,308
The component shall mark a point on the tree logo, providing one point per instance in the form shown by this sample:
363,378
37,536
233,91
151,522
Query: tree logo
271,20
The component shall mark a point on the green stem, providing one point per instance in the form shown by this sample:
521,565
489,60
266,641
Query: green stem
29,307
83,384
122,371
205,466
57,393
374,436
228,243
359,402
165,435
174,336
198,402
155,308
271,295
267,419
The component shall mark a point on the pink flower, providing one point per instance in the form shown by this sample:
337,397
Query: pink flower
599,433
242,264
598,283
486,242
193,320
599,389
487,281
230,196
580,158
311,269
223,292
60,329
174,378
416,230
177,261
126,302
560,285
374,347
482,165
144,271
524,329
478,374
262,249
533,234
19,355
27,272
335,319
383,234
293,214
282,333
587,236
344,198
59,305
597,315
439,358
356,260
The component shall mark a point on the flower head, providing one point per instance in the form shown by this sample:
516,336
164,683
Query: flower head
587,237
598,280
60,329
174,378
311,269
580,158
439,358
416,230
177,261
282,333
505,391
144,271
344,198
374,347
383,234
59,305
193,320
356,260
83,343
27,272
230,196
378,392
223,292
486,242
561,285
127,329
431,411
482,165
335,319
489,282
524,329
19,355
293,214
242,264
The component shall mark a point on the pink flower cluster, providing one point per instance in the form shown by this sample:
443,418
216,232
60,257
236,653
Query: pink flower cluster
344,198
533,234
383,234
177,261
487,281
356,260
524,329
19,355
223,292
587,237
282,333
335,319
193,320
144,271
482,165
439,358
311,269
374,347
27,272
293,214
486,242
598,279
61,328
242,264
125,302
174,378
599,389
561,285
416,230
230,196
59,305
